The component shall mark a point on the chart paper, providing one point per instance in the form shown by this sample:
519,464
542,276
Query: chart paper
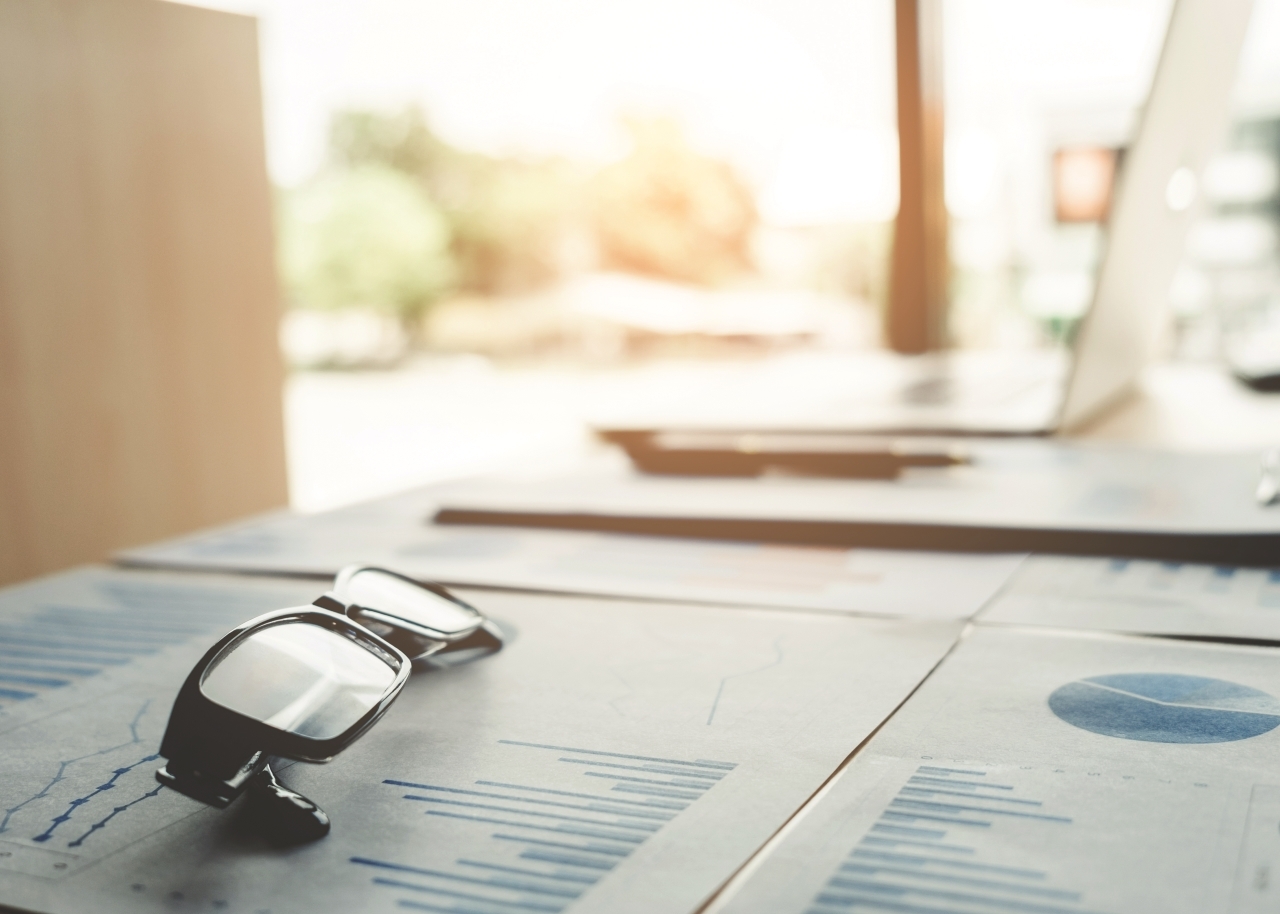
1158,598
613,757
394,532
1051,773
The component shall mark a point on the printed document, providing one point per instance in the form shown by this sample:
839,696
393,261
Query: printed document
1050,774
1031,486
613,757
1156,598
394,532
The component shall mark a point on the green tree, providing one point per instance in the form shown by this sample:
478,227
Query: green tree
365,237
506,215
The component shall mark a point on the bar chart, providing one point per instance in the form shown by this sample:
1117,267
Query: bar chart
930,851
538,844
1123,595
57,644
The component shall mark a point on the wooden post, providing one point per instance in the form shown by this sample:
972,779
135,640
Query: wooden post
140,377
916,320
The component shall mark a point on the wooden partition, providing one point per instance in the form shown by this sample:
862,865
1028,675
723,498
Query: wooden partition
140,376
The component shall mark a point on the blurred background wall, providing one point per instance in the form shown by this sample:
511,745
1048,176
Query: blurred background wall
140,374
501,220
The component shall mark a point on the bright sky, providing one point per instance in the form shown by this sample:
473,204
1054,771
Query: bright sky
797,93
552,76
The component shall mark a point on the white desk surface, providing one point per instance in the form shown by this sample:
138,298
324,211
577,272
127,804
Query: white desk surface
1188,406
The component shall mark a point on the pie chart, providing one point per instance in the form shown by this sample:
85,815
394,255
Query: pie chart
1166,708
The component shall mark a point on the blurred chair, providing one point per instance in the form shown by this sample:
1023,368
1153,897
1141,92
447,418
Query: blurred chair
140,375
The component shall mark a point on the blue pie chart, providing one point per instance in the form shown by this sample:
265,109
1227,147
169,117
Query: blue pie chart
1166,708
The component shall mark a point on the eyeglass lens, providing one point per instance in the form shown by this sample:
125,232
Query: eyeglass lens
374,589
299,678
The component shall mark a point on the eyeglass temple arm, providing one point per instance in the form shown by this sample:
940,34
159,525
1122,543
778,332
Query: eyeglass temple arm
207,788
488,637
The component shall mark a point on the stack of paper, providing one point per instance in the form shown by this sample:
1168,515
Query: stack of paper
1156,598
1013,496
394,532
753,736
613,757
1050,774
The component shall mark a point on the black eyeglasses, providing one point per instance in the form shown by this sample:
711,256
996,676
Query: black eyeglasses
420,618
305,683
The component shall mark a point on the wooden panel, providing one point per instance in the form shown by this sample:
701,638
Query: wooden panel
140,377
916,320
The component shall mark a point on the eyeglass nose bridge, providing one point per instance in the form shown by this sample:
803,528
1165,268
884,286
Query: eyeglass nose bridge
415,640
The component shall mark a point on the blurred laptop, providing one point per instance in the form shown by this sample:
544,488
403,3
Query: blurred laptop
945,394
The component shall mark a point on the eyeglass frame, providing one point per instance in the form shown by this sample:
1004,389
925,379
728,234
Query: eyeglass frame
198,715
485,632
217,735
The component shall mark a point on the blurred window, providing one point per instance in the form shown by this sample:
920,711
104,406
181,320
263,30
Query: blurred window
1039,97
1083,177
584,179
510,176
1227,296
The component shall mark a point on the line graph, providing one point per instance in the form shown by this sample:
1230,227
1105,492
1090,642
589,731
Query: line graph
102,823
89,662
543,842
60,775
81,801
715,704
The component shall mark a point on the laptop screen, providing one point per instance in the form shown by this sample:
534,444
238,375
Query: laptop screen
1180,128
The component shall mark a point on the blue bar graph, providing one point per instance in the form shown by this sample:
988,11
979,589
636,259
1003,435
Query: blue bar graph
925,854
1269,596
1259,588
549,844
54,645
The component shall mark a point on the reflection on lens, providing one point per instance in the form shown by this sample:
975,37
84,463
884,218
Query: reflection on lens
299,678
395,596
